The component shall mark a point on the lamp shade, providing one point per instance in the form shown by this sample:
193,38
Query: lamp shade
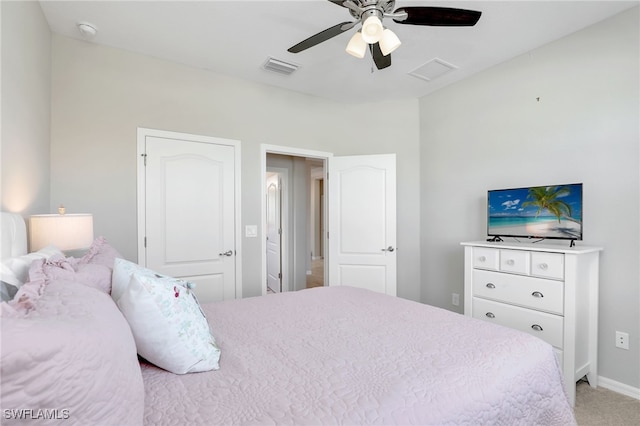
66,232
372,30
357,47
389,42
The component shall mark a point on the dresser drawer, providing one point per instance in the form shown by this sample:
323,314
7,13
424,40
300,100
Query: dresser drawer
486,258
515,261
529,292
546,326
547,265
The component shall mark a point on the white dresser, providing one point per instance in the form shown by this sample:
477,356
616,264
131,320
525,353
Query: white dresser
547,290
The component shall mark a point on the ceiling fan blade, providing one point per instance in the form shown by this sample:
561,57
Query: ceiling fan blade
438,16
379,59
338,2
322,36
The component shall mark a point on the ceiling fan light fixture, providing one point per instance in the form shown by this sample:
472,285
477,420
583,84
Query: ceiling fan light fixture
357,46
389,42
372,29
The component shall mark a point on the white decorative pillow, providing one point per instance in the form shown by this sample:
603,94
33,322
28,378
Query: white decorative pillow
7,291
167,323
7,275
122,272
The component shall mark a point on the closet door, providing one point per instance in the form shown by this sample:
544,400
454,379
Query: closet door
189,203
362,222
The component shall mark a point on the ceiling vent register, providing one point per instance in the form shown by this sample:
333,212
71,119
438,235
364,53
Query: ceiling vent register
280,67
433,69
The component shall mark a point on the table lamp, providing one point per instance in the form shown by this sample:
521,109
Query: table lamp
65,231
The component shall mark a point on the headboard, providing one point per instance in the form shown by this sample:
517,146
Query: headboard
13,233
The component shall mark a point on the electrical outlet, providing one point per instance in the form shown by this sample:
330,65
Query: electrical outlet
622,340
455,299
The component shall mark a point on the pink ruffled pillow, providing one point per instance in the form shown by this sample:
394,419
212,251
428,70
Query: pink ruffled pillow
100,253
59,268
92,270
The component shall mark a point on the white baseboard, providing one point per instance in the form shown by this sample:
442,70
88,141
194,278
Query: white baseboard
619,387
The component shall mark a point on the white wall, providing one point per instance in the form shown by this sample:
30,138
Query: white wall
26,89
101,95
490,131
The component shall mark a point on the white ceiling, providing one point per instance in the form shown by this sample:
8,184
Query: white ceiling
236,38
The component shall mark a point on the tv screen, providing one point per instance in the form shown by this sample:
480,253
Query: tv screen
553,211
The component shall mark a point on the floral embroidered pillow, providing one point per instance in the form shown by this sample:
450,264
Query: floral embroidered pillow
121,275
169,328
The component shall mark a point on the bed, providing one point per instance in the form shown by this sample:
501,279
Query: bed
329,355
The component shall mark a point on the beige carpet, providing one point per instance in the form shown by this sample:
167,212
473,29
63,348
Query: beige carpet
603,407
316,279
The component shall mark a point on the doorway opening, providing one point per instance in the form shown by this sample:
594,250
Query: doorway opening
294,225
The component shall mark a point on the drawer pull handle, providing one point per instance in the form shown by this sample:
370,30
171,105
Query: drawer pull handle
482,258
511,262
537,294
490,315
536,327
491,285
543,266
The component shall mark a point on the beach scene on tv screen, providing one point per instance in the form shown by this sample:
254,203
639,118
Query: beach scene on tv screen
543,211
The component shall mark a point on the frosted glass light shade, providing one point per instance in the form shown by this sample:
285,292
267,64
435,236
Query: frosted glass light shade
389,42
66,232
372,30
357,47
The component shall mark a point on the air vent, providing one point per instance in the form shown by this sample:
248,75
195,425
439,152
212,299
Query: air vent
433,69
281,67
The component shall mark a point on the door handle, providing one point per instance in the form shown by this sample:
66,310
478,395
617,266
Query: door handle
389,249
226,253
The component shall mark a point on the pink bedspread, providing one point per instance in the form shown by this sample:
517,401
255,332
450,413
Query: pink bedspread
341,355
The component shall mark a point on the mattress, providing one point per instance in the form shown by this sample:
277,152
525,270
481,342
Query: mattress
341,355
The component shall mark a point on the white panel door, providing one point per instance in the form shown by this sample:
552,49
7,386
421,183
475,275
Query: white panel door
274,233
362,222
190,214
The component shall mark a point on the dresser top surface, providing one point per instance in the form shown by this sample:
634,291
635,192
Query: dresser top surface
547,247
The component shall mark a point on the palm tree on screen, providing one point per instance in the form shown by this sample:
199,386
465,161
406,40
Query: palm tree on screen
548,197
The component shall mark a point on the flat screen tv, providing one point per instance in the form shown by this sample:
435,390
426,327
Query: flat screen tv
553,211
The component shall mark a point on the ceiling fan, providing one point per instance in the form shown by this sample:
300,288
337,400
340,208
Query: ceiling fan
379,40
